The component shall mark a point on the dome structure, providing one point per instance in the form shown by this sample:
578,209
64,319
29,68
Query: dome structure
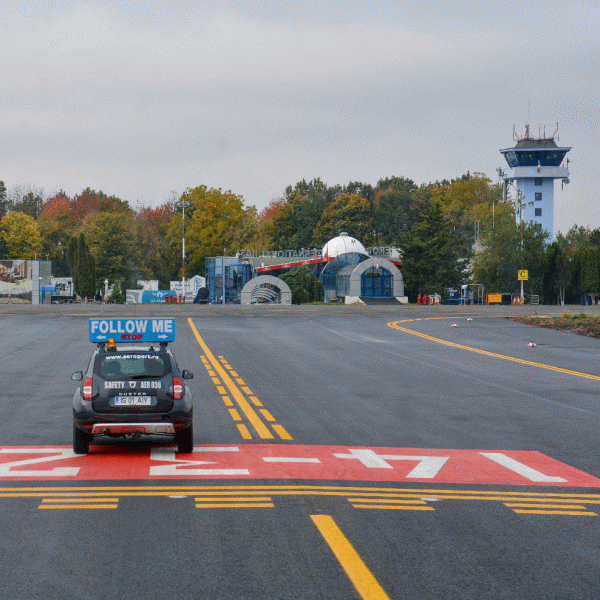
343,244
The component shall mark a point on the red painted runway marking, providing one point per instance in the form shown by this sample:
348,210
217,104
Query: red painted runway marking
272,461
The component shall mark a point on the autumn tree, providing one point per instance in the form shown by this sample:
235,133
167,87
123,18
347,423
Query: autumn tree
21,235
90,201
210,226
157,259
471,203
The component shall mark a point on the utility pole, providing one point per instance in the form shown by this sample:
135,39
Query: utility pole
521,206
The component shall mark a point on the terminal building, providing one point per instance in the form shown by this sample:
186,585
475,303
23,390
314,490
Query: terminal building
534,164
347,271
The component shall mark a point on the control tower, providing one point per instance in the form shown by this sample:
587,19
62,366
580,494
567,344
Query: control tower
534,164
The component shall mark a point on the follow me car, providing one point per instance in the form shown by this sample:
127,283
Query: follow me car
134,388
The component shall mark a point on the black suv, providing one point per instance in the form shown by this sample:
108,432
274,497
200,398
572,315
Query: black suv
131,391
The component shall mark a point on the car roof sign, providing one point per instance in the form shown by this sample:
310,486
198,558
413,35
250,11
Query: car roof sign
132,330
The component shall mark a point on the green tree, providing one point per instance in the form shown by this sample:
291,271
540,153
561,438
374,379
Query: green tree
395,210
55,244
302,284
29,203
21,235
294,225
350,213
558,275
111,240
4,206
585,269
85,271
507,248
431,256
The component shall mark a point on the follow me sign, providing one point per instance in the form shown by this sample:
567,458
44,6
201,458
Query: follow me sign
132,330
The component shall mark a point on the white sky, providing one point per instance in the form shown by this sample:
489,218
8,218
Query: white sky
140,98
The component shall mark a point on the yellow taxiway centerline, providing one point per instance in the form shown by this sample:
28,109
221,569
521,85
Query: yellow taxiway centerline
365,583
394,325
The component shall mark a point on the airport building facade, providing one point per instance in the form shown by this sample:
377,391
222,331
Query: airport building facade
348,272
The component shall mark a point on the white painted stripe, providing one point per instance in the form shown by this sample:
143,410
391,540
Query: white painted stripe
290,459
521,469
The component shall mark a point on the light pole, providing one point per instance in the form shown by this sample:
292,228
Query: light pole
184,205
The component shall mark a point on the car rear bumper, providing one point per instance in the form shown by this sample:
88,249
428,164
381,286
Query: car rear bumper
124,428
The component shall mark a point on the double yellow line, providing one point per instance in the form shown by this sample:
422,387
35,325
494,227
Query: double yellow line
223,376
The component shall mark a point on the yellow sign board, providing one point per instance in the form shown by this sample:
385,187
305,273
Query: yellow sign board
524,275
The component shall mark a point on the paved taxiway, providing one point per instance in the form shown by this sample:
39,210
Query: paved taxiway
511,512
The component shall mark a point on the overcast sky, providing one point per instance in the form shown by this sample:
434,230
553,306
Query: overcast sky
140,98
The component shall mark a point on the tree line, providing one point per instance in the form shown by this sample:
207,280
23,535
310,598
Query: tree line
448,232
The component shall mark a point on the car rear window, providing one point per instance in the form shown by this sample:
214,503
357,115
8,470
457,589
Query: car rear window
114,367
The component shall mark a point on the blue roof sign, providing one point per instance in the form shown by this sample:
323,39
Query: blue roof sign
132,330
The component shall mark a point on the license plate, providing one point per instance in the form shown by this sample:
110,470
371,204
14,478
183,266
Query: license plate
133,400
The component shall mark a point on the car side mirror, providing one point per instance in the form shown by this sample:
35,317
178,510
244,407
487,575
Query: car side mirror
77,376
187,375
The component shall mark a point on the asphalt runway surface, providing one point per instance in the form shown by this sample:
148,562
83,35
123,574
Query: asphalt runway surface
341,452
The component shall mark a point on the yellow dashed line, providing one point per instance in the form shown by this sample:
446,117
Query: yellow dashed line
267,415
246,435
248,411
265,505
561,506
556,512
227,401
221,390
63,506
282,433
392,507
255,401
235,415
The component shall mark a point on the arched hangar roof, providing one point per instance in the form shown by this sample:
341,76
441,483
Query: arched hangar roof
355,276
285,294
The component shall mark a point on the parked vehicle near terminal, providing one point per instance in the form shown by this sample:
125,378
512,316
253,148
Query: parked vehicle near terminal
134,388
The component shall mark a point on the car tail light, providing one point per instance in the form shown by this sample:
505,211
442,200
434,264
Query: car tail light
87,389
177,389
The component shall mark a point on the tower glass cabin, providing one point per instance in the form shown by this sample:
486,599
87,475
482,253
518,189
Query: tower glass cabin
534,164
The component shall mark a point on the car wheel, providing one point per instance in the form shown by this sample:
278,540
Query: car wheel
185,440
81,441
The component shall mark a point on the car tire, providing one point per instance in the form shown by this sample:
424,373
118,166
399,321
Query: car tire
185,440
81,441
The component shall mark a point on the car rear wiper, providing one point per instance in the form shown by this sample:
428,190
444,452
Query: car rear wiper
146,377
